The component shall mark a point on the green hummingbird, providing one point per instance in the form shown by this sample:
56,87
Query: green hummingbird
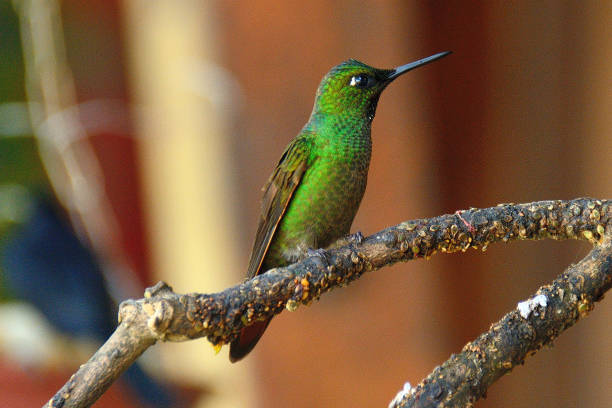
312,196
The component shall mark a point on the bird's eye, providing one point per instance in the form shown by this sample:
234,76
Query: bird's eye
362,81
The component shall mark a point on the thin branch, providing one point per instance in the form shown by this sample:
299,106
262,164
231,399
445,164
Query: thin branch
66,152
164,315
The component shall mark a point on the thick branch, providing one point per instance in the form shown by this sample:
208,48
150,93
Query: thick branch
220,316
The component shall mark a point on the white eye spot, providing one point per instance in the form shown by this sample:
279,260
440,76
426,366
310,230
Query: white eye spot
362,81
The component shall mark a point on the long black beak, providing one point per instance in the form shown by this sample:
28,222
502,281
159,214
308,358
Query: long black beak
409,67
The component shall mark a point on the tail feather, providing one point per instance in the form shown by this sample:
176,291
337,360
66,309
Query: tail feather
246,341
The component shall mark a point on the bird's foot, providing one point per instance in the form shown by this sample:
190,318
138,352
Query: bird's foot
351,239
319,253
356,238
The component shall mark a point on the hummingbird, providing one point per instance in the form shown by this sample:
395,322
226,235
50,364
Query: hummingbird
313,194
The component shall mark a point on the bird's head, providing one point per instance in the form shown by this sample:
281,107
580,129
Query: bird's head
353,87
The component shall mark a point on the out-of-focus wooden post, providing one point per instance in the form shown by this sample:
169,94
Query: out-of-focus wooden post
184,151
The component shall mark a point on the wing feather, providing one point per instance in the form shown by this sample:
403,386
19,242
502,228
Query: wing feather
278,192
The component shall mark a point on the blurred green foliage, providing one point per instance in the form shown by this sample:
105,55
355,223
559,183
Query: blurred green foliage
11,62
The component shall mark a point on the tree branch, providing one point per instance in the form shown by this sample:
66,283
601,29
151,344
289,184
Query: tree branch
164,315
465,377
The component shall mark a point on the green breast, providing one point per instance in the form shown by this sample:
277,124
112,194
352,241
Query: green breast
324,205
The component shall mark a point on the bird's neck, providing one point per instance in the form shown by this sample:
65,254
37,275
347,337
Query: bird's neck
341,128
342,138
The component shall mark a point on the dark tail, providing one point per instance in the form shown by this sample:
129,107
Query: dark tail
246,341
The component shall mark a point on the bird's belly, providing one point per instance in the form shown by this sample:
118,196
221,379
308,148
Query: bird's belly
321,211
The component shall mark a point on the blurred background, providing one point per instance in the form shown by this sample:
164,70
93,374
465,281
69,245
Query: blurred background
135,137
